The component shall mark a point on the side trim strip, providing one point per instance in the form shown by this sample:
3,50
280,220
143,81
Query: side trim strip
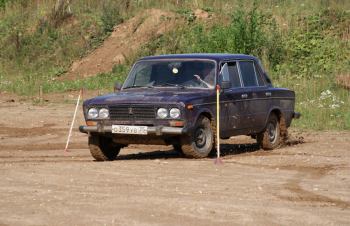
230,101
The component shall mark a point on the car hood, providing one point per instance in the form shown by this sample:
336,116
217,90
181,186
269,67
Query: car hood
147,95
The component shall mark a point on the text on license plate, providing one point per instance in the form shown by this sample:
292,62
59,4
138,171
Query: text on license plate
142,130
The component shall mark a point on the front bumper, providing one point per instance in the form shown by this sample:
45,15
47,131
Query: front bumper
157,130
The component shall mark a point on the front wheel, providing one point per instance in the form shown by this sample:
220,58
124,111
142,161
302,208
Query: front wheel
270,138
201,142
103,148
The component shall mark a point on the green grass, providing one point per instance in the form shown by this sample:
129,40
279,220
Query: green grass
303,45
322,103
35,52
103,82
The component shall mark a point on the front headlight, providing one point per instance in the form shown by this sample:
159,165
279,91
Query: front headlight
162,113
92,113
175,113
104,113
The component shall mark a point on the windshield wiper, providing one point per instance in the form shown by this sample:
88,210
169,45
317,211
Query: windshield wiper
137,86
172,84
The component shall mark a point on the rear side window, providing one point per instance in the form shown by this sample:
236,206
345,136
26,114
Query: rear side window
259,76
248,73
234,75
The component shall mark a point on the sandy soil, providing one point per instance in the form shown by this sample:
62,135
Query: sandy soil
300,184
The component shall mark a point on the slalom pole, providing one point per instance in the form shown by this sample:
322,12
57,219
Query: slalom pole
218,160
72,124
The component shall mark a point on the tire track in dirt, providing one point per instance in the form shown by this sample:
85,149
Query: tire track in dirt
47,160
293,185
29,132
302,195
253,149
43,147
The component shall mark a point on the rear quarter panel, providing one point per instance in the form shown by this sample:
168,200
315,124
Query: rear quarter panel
283,100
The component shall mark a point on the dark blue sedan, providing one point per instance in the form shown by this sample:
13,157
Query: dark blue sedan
171,100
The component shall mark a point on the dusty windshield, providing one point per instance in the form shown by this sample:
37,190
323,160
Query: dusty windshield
172,73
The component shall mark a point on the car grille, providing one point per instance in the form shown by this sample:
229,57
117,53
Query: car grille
131,112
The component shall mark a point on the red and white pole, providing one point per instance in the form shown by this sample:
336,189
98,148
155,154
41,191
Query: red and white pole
72,124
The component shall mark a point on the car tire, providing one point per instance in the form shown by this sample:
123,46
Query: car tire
202,140
103,148
270,138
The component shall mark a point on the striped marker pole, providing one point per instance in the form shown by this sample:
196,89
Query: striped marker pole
218,160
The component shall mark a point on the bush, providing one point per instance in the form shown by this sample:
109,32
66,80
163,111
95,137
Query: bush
249,32
110,16
3,3
316,47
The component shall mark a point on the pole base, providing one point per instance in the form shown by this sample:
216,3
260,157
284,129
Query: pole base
218,161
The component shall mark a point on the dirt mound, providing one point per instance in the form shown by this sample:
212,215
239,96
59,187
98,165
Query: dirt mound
125,40
201,14
344,81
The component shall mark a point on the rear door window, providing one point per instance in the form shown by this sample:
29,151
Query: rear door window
248,73
234,75
259,76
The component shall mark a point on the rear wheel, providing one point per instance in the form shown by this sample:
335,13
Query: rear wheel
201,142
270,138
103,148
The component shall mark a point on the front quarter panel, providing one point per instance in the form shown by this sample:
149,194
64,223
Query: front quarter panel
203,105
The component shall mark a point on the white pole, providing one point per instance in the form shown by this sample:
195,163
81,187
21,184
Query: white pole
72,124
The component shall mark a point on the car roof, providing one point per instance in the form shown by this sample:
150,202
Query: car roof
209,56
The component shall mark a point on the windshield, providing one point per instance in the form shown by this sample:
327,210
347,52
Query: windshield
172,73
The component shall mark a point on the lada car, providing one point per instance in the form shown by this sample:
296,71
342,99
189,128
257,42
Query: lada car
171,100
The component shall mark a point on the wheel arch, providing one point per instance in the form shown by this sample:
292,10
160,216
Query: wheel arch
205,112
281,118
275,111
195,116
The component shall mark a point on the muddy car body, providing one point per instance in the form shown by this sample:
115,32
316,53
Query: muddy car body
171,100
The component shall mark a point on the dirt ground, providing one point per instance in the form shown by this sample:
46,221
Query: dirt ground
300,184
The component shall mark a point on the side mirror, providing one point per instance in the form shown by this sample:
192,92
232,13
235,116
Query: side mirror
117,87
225,84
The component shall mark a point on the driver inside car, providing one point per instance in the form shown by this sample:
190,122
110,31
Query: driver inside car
206,76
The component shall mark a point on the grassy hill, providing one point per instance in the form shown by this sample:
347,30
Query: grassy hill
304,45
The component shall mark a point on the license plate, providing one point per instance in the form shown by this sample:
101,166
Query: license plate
140,130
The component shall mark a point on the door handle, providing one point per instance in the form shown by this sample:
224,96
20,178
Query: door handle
244,96
268,94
